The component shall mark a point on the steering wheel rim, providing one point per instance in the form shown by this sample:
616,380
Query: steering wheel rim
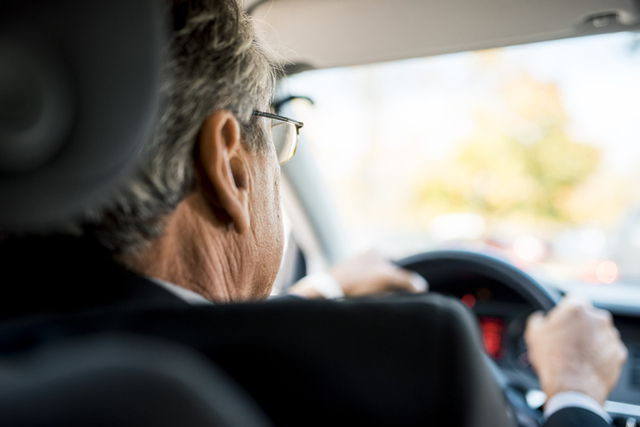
448,263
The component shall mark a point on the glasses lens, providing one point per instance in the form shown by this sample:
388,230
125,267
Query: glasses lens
285,138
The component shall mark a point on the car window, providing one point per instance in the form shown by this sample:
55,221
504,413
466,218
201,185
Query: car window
532,152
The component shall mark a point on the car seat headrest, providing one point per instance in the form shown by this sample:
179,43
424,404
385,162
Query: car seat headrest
79,87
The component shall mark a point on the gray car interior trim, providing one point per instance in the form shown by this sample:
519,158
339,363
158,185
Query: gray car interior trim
334,33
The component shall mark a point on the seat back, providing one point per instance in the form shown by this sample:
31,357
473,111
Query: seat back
120,380
404,361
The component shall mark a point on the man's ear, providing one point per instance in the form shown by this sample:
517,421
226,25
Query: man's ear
223,166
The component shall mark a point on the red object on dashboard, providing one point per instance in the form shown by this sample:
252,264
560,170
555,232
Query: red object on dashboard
492,334
468,300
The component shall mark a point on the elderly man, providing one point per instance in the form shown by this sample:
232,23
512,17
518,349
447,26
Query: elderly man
201,223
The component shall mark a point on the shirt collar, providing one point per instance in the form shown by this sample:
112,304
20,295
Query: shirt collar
184,294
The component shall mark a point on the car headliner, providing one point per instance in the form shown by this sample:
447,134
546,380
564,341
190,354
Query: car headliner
308,34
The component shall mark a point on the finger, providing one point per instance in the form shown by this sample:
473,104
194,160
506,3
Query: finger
534,322
571,307
614,334
408,281
603,315
573,300
419,283
623,353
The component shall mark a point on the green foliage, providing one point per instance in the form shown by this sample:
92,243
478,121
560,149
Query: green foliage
520,161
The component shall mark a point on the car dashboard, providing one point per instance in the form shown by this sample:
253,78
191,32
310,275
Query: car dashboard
502,314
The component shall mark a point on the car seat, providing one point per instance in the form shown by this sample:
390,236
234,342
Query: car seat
119,380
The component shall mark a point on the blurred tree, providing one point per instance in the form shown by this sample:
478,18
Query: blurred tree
520,161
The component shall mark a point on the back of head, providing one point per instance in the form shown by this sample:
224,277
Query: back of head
214,63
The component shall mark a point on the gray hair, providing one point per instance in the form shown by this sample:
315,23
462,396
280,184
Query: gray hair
214,63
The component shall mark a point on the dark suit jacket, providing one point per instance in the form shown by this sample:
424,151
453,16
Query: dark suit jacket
410,362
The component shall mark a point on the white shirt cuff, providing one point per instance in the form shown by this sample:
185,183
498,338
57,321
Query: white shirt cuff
574,399
324,284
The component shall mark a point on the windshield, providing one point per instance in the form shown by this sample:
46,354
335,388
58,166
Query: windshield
531,152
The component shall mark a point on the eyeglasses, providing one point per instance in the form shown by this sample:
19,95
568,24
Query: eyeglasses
285,135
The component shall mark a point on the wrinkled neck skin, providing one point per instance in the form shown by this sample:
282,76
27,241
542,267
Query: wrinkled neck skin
203,254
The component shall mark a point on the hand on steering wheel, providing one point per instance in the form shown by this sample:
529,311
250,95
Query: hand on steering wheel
575,347
442,267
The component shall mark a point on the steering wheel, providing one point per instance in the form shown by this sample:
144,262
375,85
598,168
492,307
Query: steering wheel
441,267
438,267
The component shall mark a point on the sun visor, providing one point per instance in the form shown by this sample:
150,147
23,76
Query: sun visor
336,33
79,85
